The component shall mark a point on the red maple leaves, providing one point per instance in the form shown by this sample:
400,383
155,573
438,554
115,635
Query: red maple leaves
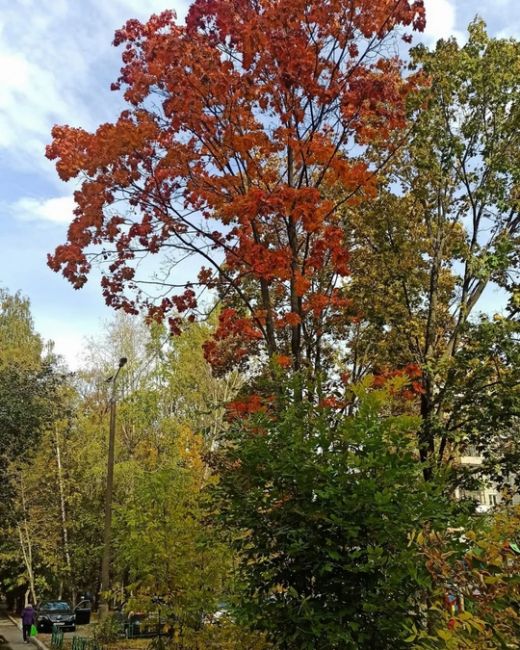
241,147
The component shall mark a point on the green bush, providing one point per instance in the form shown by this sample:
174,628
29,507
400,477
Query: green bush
223,636
107,631
321,506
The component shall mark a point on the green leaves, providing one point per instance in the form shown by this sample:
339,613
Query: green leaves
442,234
482,569
328,503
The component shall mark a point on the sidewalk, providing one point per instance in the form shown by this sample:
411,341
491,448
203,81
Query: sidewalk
12,634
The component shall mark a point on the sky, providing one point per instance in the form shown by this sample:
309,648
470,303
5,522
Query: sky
56,66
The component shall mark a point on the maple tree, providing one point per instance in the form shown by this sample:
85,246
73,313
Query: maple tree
239,126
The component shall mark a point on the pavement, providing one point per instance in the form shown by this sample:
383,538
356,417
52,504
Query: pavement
11,636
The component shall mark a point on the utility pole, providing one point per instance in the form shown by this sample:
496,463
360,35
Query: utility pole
107,542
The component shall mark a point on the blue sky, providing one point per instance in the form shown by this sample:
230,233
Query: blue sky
56,66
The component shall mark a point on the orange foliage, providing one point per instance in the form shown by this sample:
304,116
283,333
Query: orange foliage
283,360
411,372
238,133
245,406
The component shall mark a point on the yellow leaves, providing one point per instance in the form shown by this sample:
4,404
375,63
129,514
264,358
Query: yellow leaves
485,575
191,449
445,635
416,537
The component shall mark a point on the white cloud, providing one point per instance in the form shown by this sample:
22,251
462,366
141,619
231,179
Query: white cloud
55,210
441,21
29,100
56,64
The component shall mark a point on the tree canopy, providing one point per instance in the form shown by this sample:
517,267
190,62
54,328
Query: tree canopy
322,221
239,125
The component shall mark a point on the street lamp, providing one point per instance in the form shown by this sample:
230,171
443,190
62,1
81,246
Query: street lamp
107,542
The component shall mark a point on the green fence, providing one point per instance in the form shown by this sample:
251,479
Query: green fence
56,638
81,643
78,642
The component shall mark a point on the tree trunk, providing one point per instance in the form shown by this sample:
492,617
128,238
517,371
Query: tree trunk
63,515
26,545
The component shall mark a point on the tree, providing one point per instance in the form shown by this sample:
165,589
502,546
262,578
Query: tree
33,537
444,227
482,400
191,391
19,341
23,378
320,506
164,541
239,124
30,398
168,402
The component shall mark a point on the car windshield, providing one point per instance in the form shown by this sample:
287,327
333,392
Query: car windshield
56,606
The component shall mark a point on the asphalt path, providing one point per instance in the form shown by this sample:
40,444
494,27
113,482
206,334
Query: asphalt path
11,635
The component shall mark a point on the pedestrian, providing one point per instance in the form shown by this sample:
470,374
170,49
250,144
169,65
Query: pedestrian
28,619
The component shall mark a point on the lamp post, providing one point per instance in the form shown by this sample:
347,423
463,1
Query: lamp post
105,565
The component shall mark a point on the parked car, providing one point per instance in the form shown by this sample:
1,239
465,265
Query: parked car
83,611
55,613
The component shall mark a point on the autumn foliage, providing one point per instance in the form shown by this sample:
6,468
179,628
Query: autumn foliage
241,143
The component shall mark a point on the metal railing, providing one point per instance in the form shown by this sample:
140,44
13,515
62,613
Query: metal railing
81,643
78,642
56,638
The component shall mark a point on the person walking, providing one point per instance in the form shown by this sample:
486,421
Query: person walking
28,619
